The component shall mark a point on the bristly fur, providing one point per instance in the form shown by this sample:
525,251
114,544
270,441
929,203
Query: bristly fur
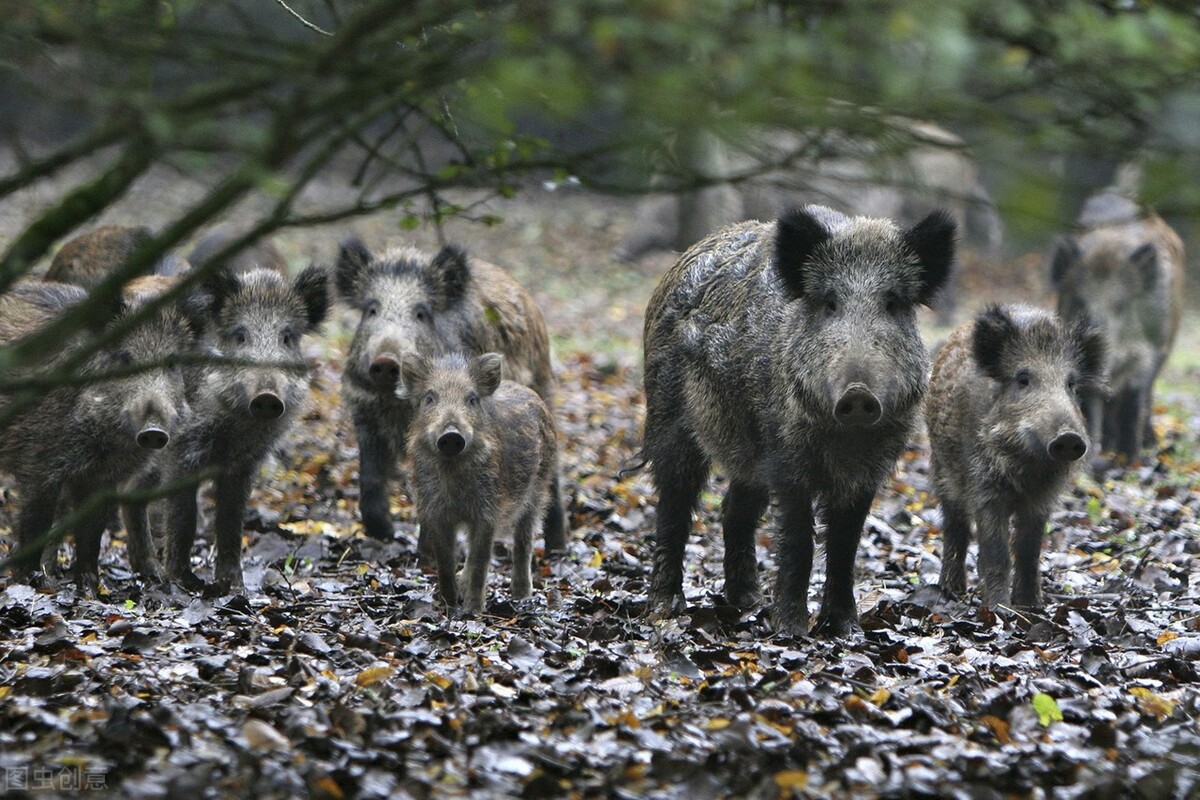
932,240
994,330
434,304
797,236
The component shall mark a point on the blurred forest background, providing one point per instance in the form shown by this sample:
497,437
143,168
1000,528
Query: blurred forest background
322,111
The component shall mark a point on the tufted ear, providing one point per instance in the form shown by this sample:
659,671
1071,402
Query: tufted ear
994,331
353,260
449,275
1145,264
414,372
798,234
487,371
313,287
1063,260
932,240
221,285
1092,350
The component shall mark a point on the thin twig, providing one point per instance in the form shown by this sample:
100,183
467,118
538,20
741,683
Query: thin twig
303,21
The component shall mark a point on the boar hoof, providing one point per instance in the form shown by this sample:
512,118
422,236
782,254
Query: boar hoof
834,624
190,582
659,607
381,531
87,584
743,597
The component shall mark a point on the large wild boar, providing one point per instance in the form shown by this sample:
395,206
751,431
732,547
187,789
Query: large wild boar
1124,269
432,306
483,454
788,353
239,410
87,437
1007,432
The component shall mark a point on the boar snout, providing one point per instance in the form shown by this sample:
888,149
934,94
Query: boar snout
858,406
266,405
385,371
1067,446
451,442
152,437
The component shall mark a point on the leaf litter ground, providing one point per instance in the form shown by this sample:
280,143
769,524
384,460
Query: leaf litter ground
336,676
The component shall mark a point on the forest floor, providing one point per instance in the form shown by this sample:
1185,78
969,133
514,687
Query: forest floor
335,675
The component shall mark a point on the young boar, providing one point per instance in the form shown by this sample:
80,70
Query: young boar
432,306
84,438
788,353
1126,273
240,411
483,455
1007,432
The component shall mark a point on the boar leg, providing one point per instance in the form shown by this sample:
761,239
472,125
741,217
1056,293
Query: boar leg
795,557
376,462
554,525
1027,589
475,572
995,570
136,519
843,529
679,475
522,555
181,535
740,511
442,540
1135,416
233,492
956,534
88,536
37,517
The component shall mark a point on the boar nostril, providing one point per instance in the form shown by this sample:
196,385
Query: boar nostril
451,443
385,370
266,405
1067,447
153,438
858,406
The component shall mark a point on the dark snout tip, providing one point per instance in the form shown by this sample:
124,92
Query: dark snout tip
266,405
858,406
385,370
153,438
1067,447
451,443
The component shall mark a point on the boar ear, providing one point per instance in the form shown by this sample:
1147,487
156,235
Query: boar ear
932,240
195,306
313,287
220,286
1062,260
449,275
1092,348
1145,261
994,331
414,371
352,262
487,371
797,236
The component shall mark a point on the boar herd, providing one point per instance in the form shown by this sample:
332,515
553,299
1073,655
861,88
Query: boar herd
785,353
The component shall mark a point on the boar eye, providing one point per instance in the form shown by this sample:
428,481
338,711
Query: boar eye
831,305
421,312
289,338
472,399
892,304
238,335
428,399
1023,379
372,309
123,357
